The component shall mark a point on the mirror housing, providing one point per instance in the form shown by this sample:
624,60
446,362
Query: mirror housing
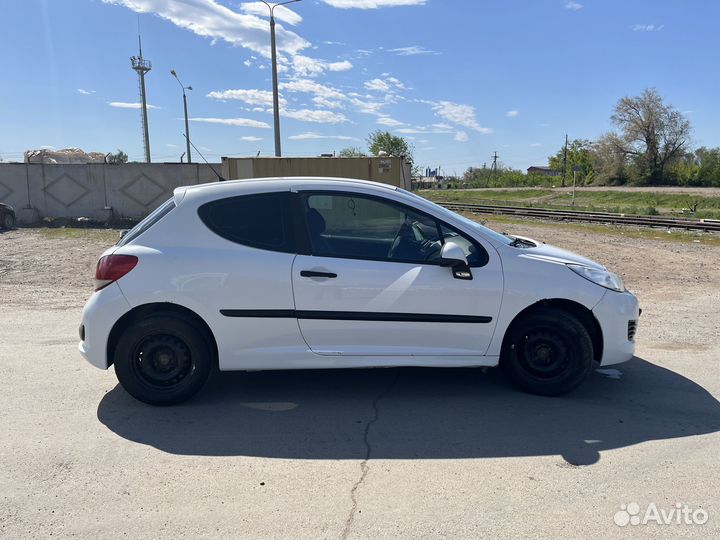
452,255
123,233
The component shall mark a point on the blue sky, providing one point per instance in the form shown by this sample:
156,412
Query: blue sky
459,78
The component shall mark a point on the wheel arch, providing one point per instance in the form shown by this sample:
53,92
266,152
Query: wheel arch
166,308
581,313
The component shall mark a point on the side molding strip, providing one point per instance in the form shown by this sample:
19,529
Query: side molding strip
355,316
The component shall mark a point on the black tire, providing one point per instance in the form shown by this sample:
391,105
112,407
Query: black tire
548,352
163,359
8,221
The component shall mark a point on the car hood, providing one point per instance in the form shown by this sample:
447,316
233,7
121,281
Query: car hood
555,255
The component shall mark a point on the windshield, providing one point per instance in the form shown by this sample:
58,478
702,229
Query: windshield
504,239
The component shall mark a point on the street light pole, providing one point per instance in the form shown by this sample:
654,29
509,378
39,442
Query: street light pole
273,52
187,126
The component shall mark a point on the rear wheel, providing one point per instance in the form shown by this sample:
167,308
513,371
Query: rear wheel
8,221
163,359
548,352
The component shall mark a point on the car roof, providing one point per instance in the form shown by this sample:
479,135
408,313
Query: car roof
230,187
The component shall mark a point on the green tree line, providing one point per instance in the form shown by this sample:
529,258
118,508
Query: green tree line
651,145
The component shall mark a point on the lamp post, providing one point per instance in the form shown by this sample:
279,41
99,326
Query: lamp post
187,127
276,106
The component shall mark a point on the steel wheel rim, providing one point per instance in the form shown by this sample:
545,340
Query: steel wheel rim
162,361
544,354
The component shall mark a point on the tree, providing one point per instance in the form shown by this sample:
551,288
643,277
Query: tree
579,154
118,157
351,151
390,145
609,163
708,160
652,134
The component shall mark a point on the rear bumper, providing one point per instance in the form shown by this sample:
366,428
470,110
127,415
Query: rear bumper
616,312
100,313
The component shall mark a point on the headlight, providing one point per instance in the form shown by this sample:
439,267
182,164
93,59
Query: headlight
604,278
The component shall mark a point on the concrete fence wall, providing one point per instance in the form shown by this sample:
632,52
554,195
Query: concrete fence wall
98,191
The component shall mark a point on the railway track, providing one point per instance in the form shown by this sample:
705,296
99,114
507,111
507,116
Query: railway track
588,217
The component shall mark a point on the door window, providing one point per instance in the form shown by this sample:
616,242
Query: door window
356,226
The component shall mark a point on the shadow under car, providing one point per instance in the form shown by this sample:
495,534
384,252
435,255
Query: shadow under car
416,413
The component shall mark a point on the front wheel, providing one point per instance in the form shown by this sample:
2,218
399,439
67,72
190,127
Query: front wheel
548,353
163,359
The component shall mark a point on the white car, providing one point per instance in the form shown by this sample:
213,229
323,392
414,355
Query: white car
308,273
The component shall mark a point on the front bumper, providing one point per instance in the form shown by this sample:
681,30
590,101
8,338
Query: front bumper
100,314
618,315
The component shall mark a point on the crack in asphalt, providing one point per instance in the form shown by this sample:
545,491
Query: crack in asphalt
364,466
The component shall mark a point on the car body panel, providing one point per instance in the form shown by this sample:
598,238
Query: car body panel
378,287
250,298
101,312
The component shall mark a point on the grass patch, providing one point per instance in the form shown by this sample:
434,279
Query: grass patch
707,239
626,202
109,236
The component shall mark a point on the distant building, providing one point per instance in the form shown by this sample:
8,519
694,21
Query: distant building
543,171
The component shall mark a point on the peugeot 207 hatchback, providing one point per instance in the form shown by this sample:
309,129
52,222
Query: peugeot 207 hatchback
306,273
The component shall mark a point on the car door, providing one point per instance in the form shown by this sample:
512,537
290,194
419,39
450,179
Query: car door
372,283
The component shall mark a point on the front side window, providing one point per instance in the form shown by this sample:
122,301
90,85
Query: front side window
260,221
356,226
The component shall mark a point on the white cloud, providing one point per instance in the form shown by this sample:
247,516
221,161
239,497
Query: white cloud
377,85
85,92
126,105
372,4
572,5
321,101
461,136
249,96
388,84
413,50
387,121
282,13
312,67
460,114
647,27
318,116
251,138
241,122
171,145
210,19
535,145
309,135
310,86
512,114
247,63
340,66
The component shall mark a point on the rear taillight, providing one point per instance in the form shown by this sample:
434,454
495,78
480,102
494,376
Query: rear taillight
111,268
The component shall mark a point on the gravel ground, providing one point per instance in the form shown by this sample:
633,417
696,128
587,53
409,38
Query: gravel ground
360,454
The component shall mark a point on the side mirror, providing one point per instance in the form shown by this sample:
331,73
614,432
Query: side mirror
452,255
123,233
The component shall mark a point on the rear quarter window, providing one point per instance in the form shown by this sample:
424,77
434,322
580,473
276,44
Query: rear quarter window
260,221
